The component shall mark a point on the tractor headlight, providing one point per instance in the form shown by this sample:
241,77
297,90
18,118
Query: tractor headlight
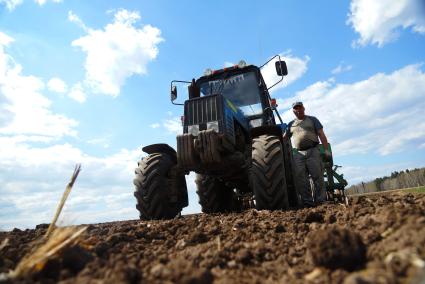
193,129
256,122
213,125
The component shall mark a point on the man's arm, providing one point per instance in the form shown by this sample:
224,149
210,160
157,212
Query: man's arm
323,139
319,131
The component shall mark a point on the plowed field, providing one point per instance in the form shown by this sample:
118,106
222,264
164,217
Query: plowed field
377,239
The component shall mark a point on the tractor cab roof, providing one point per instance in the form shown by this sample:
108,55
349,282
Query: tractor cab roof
218,74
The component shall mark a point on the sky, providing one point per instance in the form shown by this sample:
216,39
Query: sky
88,82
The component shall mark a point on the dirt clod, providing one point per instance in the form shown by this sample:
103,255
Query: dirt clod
42,226
371,276
337,248
198,238
101,248
201,276
314,217
75,258
244,256
279,229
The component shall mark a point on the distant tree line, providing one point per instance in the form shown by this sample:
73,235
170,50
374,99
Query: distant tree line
397,180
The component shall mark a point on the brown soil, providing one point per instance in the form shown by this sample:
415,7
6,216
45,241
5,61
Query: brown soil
377,239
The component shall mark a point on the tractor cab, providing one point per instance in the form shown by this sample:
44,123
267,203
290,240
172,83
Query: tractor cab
244,88
232,97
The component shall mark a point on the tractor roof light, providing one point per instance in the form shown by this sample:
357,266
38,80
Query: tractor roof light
208,72
242,64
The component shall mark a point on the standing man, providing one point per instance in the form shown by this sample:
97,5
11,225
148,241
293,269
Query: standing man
306,131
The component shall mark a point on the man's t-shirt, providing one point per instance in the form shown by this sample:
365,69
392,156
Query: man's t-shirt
304,132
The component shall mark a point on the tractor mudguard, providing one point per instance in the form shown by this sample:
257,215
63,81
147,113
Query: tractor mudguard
176,187
161,148
275,130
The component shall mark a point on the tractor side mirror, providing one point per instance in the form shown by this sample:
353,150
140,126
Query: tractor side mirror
173,93
281,68
173,90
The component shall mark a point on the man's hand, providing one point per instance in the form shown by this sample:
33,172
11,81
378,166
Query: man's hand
324,140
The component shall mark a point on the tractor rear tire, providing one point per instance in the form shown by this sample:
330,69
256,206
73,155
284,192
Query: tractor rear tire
267,176
153,184
215,196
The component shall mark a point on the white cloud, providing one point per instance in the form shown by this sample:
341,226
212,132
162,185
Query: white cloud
378,22
117,52
42,2
104,142
57,85
341,68
382,114
33,179
5,40
35,165
155,125
228,64
296,68
5,61
77,93
173,125
75,19
11,4
25,110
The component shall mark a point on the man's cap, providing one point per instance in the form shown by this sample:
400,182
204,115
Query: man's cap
297,104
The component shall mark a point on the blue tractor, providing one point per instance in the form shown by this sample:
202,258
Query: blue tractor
233,143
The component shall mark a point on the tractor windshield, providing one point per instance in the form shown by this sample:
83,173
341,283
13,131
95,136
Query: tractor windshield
241,89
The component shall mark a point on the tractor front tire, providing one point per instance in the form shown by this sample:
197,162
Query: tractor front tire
267,176
153,183
215,196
